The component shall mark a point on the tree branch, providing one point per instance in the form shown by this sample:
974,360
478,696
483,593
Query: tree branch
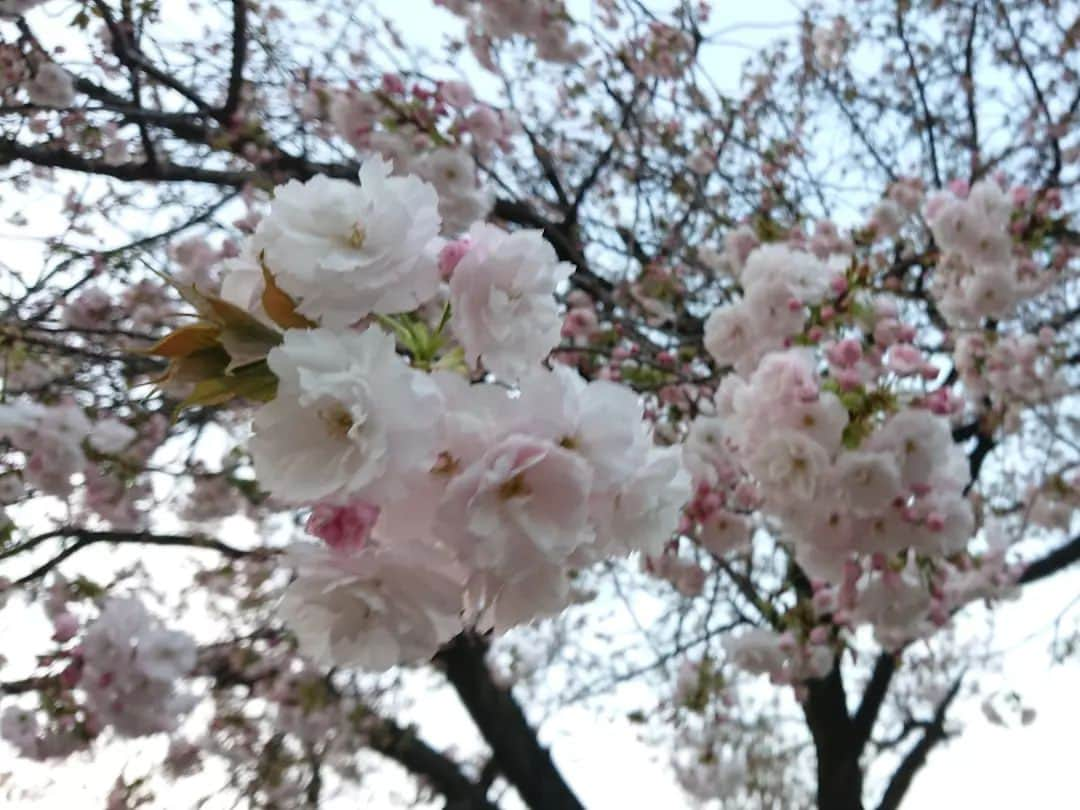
1058,559
84,538
404,747
928,120
916,757
525,763
862,723
839,777
239,55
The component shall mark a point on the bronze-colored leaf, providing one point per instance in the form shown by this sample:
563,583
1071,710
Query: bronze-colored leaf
185,341
280,307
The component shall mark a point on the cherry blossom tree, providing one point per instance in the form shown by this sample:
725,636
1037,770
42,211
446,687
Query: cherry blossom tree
536,364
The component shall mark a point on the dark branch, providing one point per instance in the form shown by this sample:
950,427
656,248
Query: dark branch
520,758
862,723
239,55
84,538
442,773
1056,560
916,757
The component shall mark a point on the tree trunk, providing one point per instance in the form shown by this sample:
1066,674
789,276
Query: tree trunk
839,776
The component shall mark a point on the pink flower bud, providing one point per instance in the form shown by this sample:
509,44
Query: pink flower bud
344,528
579,323
71,674
959,187
392,84
450,255
848,379
65,626
819,635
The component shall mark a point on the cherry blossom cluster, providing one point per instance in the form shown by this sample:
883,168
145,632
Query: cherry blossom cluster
467,482
827,430
664,51
782,657
55,439
830,43
723,744
780,285
1009,372
121,672
545,24
45,83
430,132
982,272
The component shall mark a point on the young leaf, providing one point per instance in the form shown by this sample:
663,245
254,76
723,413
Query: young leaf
185,341
280,307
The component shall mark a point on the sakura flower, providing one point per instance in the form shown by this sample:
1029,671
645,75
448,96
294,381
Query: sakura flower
730,334
724,532
131,665
887,532
473,419
948,524
91,309
343,251
523,494
757,650
599,420
452,172
823,419
868,482
789,465
502,294
896,606
920,440
345,527
350,418
513,518
354,116
51,437
705,454
51,86
165,655
805,277
381,606
645,511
